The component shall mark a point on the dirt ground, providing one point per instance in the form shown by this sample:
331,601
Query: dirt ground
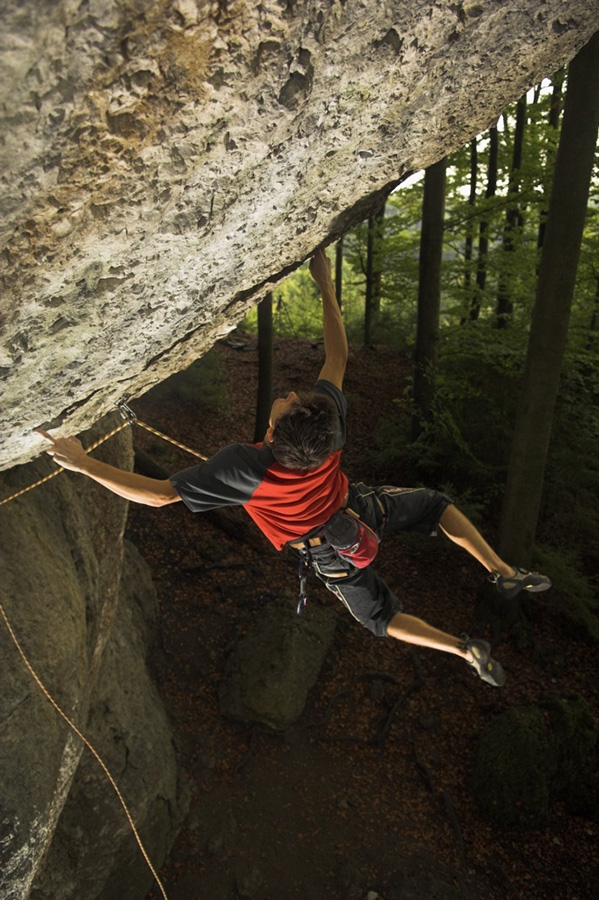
368,794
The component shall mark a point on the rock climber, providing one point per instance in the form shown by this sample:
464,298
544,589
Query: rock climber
292,486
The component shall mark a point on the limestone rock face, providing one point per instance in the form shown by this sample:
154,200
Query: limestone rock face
166,162
82,610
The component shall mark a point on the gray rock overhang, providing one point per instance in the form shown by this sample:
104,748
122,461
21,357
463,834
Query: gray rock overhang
164,168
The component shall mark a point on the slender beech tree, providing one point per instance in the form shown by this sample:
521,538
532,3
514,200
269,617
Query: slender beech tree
513,221
374,261
555,288
429,292
265,341
483,232
554,114
469,240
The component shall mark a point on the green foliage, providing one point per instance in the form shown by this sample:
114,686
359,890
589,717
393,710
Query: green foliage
398,248
467,439
574,597
297,308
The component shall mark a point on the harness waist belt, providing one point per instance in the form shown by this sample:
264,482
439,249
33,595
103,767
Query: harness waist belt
316,541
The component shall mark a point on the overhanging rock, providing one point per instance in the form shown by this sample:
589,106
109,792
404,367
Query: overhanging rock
165,163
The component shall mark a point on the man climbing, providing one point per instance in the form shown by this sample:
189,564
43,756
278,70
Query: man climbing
292,486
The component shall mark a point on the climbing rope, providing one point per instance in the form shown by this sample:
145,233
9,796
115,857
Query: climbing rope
89,746
130,419
165,437
58,471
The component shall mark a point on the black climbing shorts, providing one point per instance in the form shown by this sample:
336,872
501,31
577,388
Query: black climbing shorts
386,510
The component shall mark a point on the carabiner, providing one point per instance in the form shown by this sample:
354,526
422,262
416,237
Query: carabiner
302,602
126,412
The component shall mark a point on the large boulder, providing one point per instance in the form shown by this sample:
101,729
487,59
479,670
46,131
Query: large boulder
275,665
166,163
531,756
83,612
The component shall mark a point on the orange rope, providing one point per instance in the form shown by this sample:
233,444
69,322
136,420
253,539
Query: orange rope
71,725
135,421
165,437
58,471
34,674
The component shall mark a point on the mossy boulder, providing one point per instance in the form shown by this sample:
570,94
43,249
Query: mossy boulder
510,775
274,666
529,757
573,747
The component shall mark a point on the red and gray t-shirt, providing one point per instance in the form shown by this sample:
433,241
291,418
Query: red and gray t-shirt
284,503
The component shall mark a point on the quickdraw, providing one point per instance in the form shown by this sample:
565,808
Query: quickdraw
304,566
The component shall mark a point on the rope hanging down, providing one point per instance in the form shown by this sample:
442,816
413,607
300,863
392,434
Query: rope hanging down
130,419
89,746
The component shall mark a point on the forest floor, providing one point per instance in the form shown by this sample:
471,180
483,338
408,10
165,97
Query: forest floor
332,809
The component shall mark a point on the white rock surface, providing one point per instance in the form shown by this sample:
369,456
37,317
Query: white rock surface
165,163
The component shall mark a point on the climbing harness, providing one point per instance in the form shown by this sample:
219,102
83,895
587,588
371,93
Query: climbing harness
352,538
348,536
130,418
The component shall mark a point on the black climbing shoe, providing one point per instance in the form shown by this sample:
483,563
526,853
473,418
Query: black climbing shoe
521,580
483,663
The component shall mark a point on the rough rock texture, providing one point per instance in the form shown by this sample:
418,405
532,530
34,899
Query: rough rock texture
86,631
165,163
275,665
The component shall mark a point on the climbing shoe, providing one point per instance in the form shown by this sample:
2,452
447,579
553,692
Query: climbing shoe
483,663
521,580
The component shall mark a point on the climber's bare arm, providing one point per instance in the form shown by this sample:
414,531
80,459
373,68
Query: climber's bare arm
70,454
335,339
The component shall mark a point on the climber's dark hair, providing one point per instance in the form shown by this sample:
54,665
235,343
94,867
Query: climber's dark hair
305,436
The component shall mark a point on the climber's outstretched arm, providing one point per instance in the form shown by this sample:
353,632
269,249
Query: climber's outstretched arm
335,339
70,454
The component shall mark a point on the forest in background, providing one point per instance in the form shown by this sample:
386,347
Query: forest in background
491,203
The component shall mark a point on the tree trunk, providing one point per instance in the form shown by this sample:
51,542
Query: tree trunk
513,222
469,240
372,304
554,111
265,340
483,235
549,326
429,293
